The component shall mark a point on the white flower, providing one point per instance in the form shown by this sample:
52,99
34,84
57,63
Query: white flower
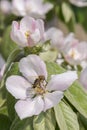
2,61
79,3
35,94
5,6
34,8
2,70
74,51
56,37
28,32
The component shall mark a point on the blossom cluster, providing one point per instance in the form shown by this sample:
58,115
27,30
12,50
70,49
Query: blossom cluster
34,92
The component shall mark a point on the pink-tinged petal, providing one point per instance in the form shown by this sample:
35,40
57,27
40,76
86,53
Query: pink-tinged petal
40,25
52,99
32,67
83,78
27,24
74,54
29,108
17,86
62,81
18,36
35,36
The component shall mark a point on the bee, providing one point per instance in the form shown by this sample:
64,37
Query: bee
38,81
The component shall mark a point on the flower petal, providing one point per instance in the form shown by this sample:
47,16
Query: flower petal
40,25
27,24
17,86
18,7
29,108
36,36
51,99
62,81
17,35
83,78
32,67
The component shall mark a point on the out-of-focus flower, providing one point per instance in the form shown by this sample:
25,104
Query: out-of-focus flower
5,6
75,55
56,37
2,71
28,32
2,61
79,3
34,8
74,51
35,94
83,78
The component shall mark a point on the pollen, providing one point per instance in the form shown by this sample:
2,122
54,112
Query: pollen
39,90
73,54
27,33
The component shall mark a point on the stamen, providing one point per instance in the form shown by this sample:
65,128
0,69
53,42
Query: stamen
27,33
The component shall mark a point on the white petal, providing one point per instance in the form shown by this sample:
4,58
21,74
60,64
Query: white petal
36,36
51,99
40,26
83,78
18,36
32,67
17,86
62,81
29,108
27,24
18,7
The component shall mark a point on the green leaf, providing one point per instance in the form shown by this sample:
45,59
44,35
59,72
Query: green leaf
49,56
4,122
3,110
10,106
2,101
25,124
78,98
7,45
66,117
12,57
45,121
67,12
83,121
53,68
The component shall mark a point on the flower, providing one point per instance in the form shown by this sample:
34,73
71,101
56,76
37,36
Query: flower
35,94
5,6
83,78
2,72
2,61
73,50
56,37
79,3
28,32
33,8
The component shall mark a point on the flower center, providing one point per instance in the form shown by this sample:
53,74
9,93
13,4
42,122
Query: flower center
74,54
40,85
27,34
